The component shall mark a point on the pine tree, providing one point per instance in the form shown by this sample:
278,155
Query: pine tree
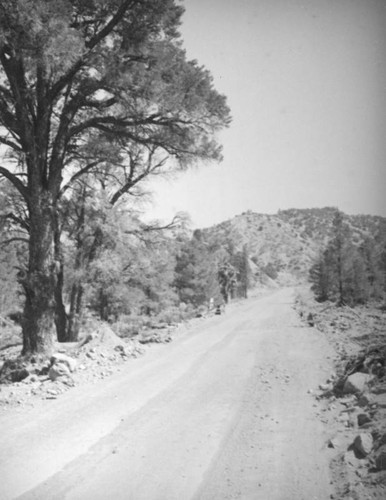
227,277
343,272
77,74
195,272
241,263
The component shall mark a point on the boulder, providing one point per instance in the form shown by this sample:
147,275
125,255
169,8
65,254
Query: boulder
120,349
366,399
336,441
13,371
356,383
363,443
19,375
363,418
59,370
63,359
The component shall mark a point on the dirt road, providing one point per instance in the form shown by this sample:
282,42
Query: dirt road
221,413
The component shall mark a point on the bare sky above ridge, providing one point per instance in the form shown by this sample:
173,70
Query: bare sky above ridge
306,83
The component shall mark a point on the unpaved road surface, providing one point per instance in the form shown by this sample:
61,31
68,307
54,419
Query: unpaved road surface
221,413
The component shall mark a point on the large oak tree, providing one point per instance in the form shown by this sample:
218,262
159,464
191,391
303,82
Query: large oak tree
72,71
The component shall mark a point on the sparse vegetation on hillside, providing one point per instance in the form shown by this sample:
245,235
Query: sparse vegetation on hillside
286,246
167,276
349,270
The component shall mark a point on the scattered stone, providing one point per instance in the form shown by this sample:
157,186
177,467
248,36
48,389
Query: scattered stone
335,442
380,389
364,400
363,443
58,370
19,375
356,383
359,338
347,401
13,371
64,359
68,381
363,418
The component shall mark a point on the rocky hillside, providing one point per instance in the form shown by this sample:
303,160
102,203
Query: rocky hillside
284,246
316,223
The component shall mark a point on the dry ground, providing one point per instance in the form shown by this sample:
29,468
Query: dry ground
356,334
230,409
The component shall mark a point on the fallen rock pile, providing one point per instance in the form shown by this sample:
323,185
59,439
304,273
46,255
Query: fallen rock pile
99,353
149,336
96,356
354,398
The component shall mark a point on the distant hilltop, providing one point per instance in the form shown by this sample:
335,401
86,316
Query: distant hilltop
283,246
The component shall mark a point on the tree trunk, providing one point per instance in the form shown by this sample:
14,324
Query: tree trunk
340,278
76,310
103,306
40,281
225,295
60,312
77,290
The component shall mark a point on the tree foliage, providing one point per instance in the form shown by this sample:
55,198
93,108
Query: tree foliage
88,85
344,272
195,272
227,277
241,263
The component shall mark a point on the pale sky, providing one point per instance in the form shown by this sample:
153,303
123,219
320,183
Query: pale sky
306,84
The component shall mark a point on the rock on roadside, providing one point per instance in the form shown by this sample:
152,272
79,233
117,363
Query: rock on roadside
356,383
63,359
58,370
61,366
363,443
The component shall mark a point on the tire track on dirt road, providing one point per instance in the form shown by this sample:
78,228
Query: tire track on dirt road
222,413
